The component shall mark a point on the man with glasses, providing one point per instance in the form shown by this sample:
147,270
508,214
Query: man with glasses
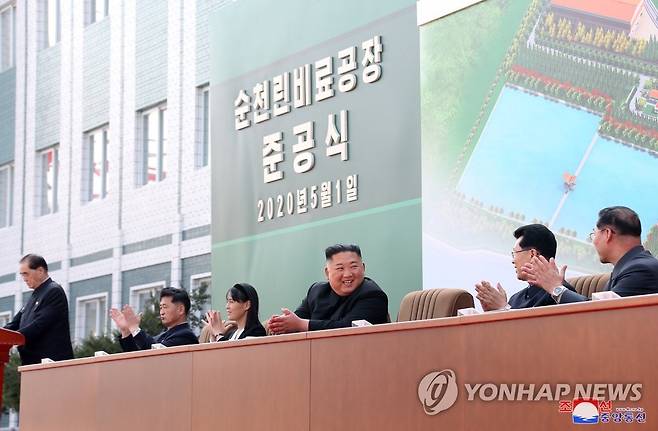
617,240
532,240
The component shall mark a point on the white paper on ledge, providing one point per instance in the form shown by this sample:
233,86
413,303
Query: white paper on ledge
467,311
608,294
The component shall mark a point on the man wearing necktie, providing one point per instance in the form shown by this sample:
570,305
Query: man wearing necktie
44,319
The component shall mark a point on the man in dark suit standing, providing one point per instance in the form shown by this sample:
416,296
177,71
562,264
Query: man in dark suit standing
617,239
174,308
347,295
44,320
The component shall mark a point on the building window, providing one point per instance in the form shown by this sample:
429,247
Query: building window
6,195
203,127
50,23
5,317
140,296
96,164
202,281
7,37
49,170
91,316
154,144
97,10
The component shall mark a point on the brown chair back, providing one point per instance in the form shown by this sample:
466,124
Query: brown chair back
433,303
588,284
206,335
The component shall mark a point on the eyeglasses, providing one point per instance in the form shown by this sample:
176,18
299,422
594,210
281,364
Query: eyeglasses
515,252
593,232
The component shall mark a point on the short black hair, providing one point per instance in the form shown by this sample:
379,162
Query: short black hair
34,261
243,292
341,248
178,296
539,237
623,220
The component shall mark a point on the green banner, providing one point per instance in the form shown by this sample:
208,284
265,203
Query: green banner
316,141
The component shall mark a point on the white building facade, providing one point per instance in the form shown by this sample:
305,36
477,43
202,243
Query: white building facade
104,150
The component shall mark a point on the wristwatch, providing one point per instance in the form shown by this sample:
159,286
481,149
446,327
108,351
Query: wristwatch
557,292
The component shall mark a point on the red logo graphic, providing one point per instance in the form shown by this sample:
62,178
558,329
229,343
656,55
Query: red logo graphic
565,406
585,411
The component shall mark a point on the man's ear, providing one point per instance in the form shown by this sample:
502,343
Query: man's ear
608,235
326,272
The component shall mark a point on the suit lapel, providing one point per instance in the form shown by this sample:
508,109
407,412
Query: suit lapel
29,307
160,338
35,301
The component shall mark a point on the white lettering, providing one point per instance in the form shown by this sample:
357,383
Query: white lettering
544,392
471,390
483,392
599,391
562,390
618,392
582,392
507,392
521,392
637,394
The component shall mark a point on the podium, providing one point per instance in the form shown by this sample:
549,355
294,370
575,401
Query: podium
8,339
511,370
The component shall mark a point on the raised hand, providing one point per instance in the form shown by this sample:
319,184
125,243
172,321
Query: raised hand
491,298
544,273
214,320
120,320
132,319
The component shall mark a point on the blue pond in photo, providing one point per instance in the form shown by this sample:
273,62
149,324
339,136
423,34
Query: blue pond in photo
527,145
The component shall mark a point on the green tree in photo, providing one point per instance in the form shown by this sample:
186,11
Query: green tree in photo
97,343
11,386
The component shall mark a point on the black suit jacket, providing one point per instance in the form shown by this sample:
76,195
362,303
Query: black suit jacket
636,273
256,330
533,296
179,335
327,310
44,321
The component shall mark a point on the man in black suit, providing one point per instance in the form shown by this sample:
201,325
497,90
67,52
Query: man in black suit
617,239
174,308
347,296
44,320
531,240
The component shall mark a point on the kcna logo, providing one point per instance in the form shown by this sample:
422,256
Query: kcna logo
437,391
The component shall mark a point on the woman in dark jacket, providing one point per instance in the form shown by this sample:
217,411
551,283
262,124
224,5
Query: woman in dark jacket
242,309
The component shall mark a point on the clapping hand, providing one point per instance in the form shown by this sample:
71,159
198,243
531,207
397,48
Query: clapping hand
132,319
491,298
214,320
120,320
286,323
544,273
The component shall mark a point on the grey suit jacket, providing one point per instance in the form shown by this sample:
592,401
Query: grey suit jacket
636,273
